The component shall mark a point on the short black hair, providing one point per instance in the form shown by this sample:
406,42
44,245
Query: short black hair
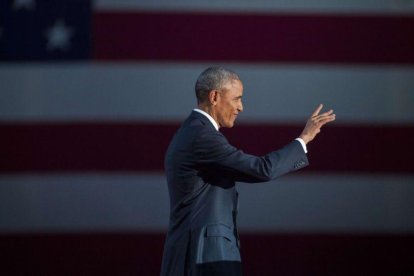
213,78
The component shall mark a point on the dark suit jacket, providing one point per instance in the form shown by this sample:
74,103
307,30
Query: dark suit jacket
201,169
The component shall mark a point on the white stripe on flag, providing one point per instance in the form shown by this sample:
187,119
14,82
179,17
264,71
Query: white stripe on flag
332,6
165,92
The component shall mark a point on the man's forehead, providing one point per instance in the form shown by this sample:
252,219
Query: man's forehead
233,85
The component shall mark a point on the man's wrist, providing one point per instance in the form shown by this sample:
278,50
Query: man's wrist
304,138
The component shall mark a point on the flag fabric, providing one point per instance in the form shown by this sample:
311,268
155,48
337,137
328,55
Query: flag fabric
45,30
92,93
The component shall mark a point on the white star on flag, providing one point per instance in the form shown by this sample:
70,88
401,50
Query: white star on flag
58,36
24,4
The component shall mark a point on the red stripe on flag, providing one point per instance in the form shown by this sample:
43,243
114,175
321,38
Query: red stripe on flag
263,254
48,147
174,36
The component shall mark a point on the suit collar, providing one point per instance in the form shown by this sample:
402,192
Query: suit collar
205,114
202,118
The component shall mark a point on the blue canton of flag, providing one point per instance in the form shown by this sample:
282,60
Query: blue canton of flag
45,30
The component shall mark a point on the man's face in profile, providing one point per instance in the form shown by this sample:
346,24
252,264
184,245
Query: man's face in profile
229,103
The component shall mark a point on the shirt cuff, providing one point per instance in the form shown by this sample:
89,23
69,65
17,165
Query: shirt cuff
300,140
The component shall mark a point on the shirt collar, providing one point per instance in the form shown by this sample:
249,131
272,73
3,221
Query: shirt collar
216,126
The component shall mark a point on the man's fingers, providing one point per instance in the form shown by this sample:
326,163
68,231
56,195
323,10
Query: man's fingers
317,110
323,115
319,121
327,113
327,120
316,122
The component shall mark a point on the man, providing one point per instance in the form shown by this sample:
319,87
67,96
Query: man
202,168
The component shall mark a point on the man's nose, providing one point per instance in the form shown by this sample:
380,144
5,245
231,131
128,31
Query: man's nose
240,108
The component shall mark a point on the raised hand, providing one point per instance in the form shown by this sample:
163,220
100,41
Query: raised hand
315,122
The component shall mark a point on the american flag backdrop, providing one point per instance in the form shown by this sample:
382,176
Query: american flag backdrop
92,92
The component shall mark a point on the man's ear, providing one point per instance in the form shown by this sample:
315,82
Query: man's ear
213,97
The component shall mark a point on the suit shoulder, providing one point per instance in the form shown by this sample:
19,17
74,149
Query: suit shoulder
194,122
190,129
199,126
201,130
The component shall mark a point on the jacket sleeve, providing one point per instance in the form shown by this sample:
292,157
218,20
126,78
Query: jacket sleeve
213,152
